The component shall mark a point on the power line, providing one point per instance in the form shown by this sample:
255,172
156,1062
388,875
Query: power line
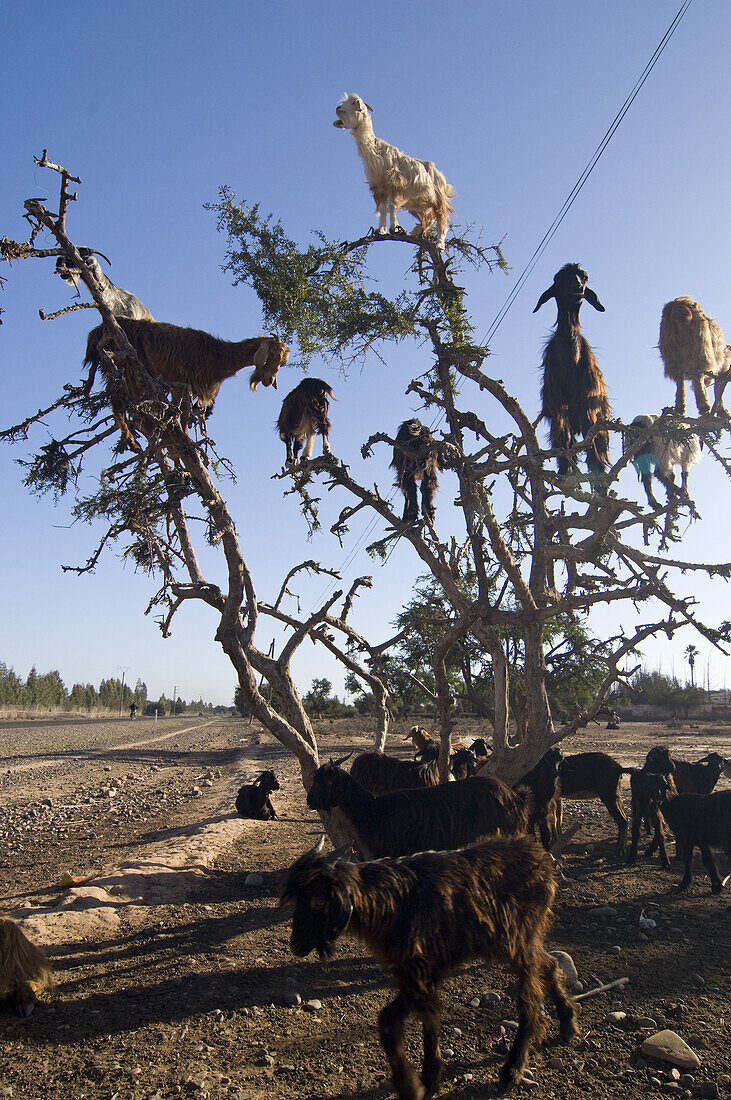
575,190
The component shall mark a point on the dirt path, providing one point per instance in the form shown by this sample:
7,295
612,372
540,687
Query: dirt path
174,970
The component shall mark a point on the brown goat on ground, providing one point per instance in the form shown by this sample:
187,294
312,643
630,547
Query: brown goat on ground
542,782
303,416
188,362
698,778
406,821
702,819
644,804
24,969
574,395
422,916
594,775
693,346
416,458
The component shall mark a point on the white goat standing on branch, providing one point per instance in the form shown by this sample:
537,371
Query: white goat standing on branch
396,179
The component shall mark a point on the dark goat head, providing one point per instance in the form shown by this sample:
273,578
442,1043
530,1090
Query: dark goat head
570,287
322,905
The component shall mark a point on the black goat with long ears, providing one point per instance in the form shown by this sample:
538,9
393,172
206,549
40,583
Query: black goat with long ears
573,394
416,458
423,915
304,414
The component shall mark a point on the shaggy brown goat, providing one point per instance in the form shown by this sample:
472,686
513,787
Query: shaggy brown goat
253,798
24,969
424,915
573,395
303,416
701,777
401,822
594,775
542,782
416,458
693,346
188,362
379,773
644,803
702,819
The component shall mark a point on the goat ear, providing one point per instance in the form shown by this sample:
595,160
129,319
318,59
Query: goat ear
550,293
339,913
261,354
592,299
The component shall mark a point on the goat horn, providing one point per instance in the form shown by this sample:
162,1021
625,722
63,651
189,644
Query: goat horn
592,299
338,854
96,252
369,107
550,293
337,763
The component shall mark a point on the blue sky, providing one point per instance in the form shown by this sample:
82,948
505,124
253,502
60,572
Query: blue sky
157,105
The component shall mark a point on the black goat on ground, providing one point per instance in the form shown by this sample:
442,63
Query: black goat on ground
702,819
594,775
304,414
424,915
574,395
698,778
541,781
416,458
644,805
253,799
401,822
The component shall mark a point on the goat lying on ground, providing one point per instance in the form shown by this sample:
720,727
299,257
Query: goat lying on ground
121,302
303,416
594,775
253,798
644,805
542,781
416,458
397,180
421,917
698,778
659,455
188,362
702,819
405,821
24,969
692,345
573,395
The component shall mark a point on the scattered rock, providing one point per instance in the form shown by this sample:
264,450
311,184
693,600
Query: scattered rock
312,1006
709,1090
489,998
292,1000
253,879
604,911
616,1017
667,1046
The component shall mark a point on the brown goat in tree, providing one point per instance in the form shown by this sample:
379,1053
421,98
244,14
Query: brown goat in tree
574,396
422,916
692,345
188,362
24,969
416,458
304,414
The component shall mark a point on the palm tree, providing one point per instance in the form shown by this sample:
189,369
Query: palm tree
691,653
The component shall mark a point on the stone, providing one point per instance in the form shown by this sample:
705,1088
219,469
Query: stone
616,950
313,1005
490,998
667,1046
709,1090
253,879
604,911
555,1063
616,1017
566,963
292,1000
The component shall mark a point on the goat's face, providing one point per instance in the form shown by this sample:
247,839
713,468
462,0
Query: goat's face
658,760
351,112
463,763
570,288
658,786
322,795
268,781
553,759
480,747
716,761
271,354
322,905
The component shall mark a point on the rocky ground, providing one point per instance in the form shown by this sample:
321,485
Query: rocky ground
173,966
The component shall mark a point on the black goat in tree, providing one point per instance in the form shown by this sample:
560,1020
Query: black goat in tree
416,458
574,395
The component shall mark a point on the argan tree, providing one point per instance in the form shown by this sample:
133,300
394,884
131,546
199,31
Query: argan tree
535,550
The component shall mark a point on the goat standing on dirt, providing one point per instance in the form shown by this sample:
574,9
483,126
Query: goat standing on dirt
574,395
702,819
304,414
424,915
397,180
24,969
416,458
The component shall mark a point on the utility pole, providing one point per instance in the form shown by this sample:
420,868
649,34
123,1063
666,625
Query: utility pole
121,691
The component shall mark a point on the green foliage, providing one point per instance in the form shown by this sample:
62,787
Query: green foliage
332,315
654,689
49,471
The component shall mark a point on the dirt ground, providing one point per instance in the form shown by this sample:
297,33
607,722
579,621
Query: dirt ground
173,966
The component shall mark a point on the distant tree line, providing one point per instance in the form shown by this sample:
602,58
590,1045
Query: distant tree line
47,691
